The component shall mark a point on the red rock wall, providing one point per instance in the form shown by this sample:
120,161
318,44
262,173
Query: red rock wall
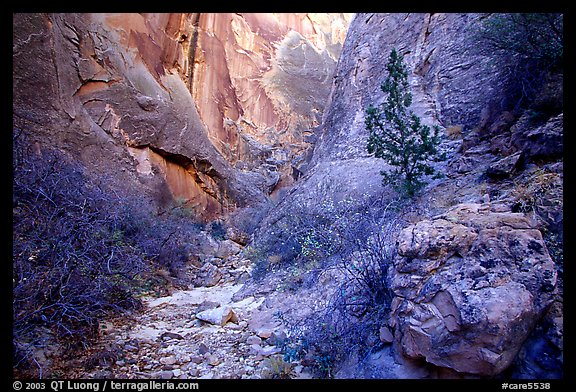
199,86
234,57
187,185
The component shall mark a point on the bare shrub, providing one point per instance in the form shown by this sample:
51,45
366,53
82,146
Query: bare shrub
534,40
72,263
81,251
360,305
316,235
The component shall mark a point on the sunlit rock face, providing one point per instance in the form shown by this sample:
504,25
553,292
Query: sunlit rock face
261,81
215,105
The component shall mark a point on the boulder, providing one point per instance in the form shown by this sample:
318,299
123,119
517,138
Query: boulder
469,287
207,245
269,350
505,167
542,142
237,235
203,349
253,340
218,316
213,360
264,333
209,275
385,335
171,360
227,248
166,374
171,335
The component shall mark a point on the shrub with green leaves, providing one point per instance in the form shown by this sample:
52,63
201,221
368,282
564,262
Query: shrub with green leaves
537,36
398,136
533,46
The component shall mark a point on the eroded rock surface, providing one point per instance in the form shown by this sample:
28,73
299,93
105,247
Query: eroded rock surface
209,109
470,285
450,83
261,81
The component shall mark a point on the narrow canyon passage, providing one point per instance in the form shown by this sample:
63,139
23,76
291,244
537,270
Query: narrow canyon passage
198,196
199,333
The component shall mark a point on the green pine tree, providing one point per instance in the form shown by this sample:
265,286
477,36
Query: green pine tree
397,134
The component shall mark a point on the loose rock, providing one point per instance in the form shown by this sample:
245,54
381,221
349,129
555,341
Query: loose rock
218,316
171,335
385,335
168,360
166,374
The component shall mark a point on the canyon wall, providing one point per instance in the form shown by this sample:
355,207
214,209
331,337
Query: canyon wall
192,104
261,82
470,96
452,86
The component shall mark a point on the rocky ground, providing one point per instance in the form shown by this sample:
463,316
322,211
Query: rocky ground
200,333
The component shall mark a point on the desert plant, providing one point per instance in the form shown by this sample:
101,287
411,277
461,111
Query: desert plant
277,368
534,46
72,263
356,310
537,36
217,230
81,251
540,195
398,136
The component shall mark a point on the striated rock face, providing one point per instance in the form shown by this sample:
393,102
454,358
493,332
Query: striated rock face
190,105
470,285
106,88
452,84
261,81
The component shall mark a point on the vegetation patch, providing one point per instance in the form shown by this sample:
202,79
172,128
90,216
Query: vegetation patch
398,136
355,313
81,253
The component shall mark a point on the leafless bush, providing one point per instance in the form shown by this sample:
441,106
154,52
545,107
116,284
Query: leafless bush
315,235
361,303
534,44
80,250
71,261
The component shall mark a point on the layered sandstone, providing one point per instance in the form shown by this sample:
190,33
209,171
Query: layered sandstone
261,81
194,103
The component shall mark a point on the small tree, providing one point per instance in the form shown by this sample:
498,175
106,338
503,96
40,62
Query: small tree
397,134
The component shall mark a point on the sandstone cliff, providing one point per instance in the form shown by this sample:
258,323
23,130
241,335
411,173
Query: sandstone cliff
470,95
193,105
452,85
261,82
